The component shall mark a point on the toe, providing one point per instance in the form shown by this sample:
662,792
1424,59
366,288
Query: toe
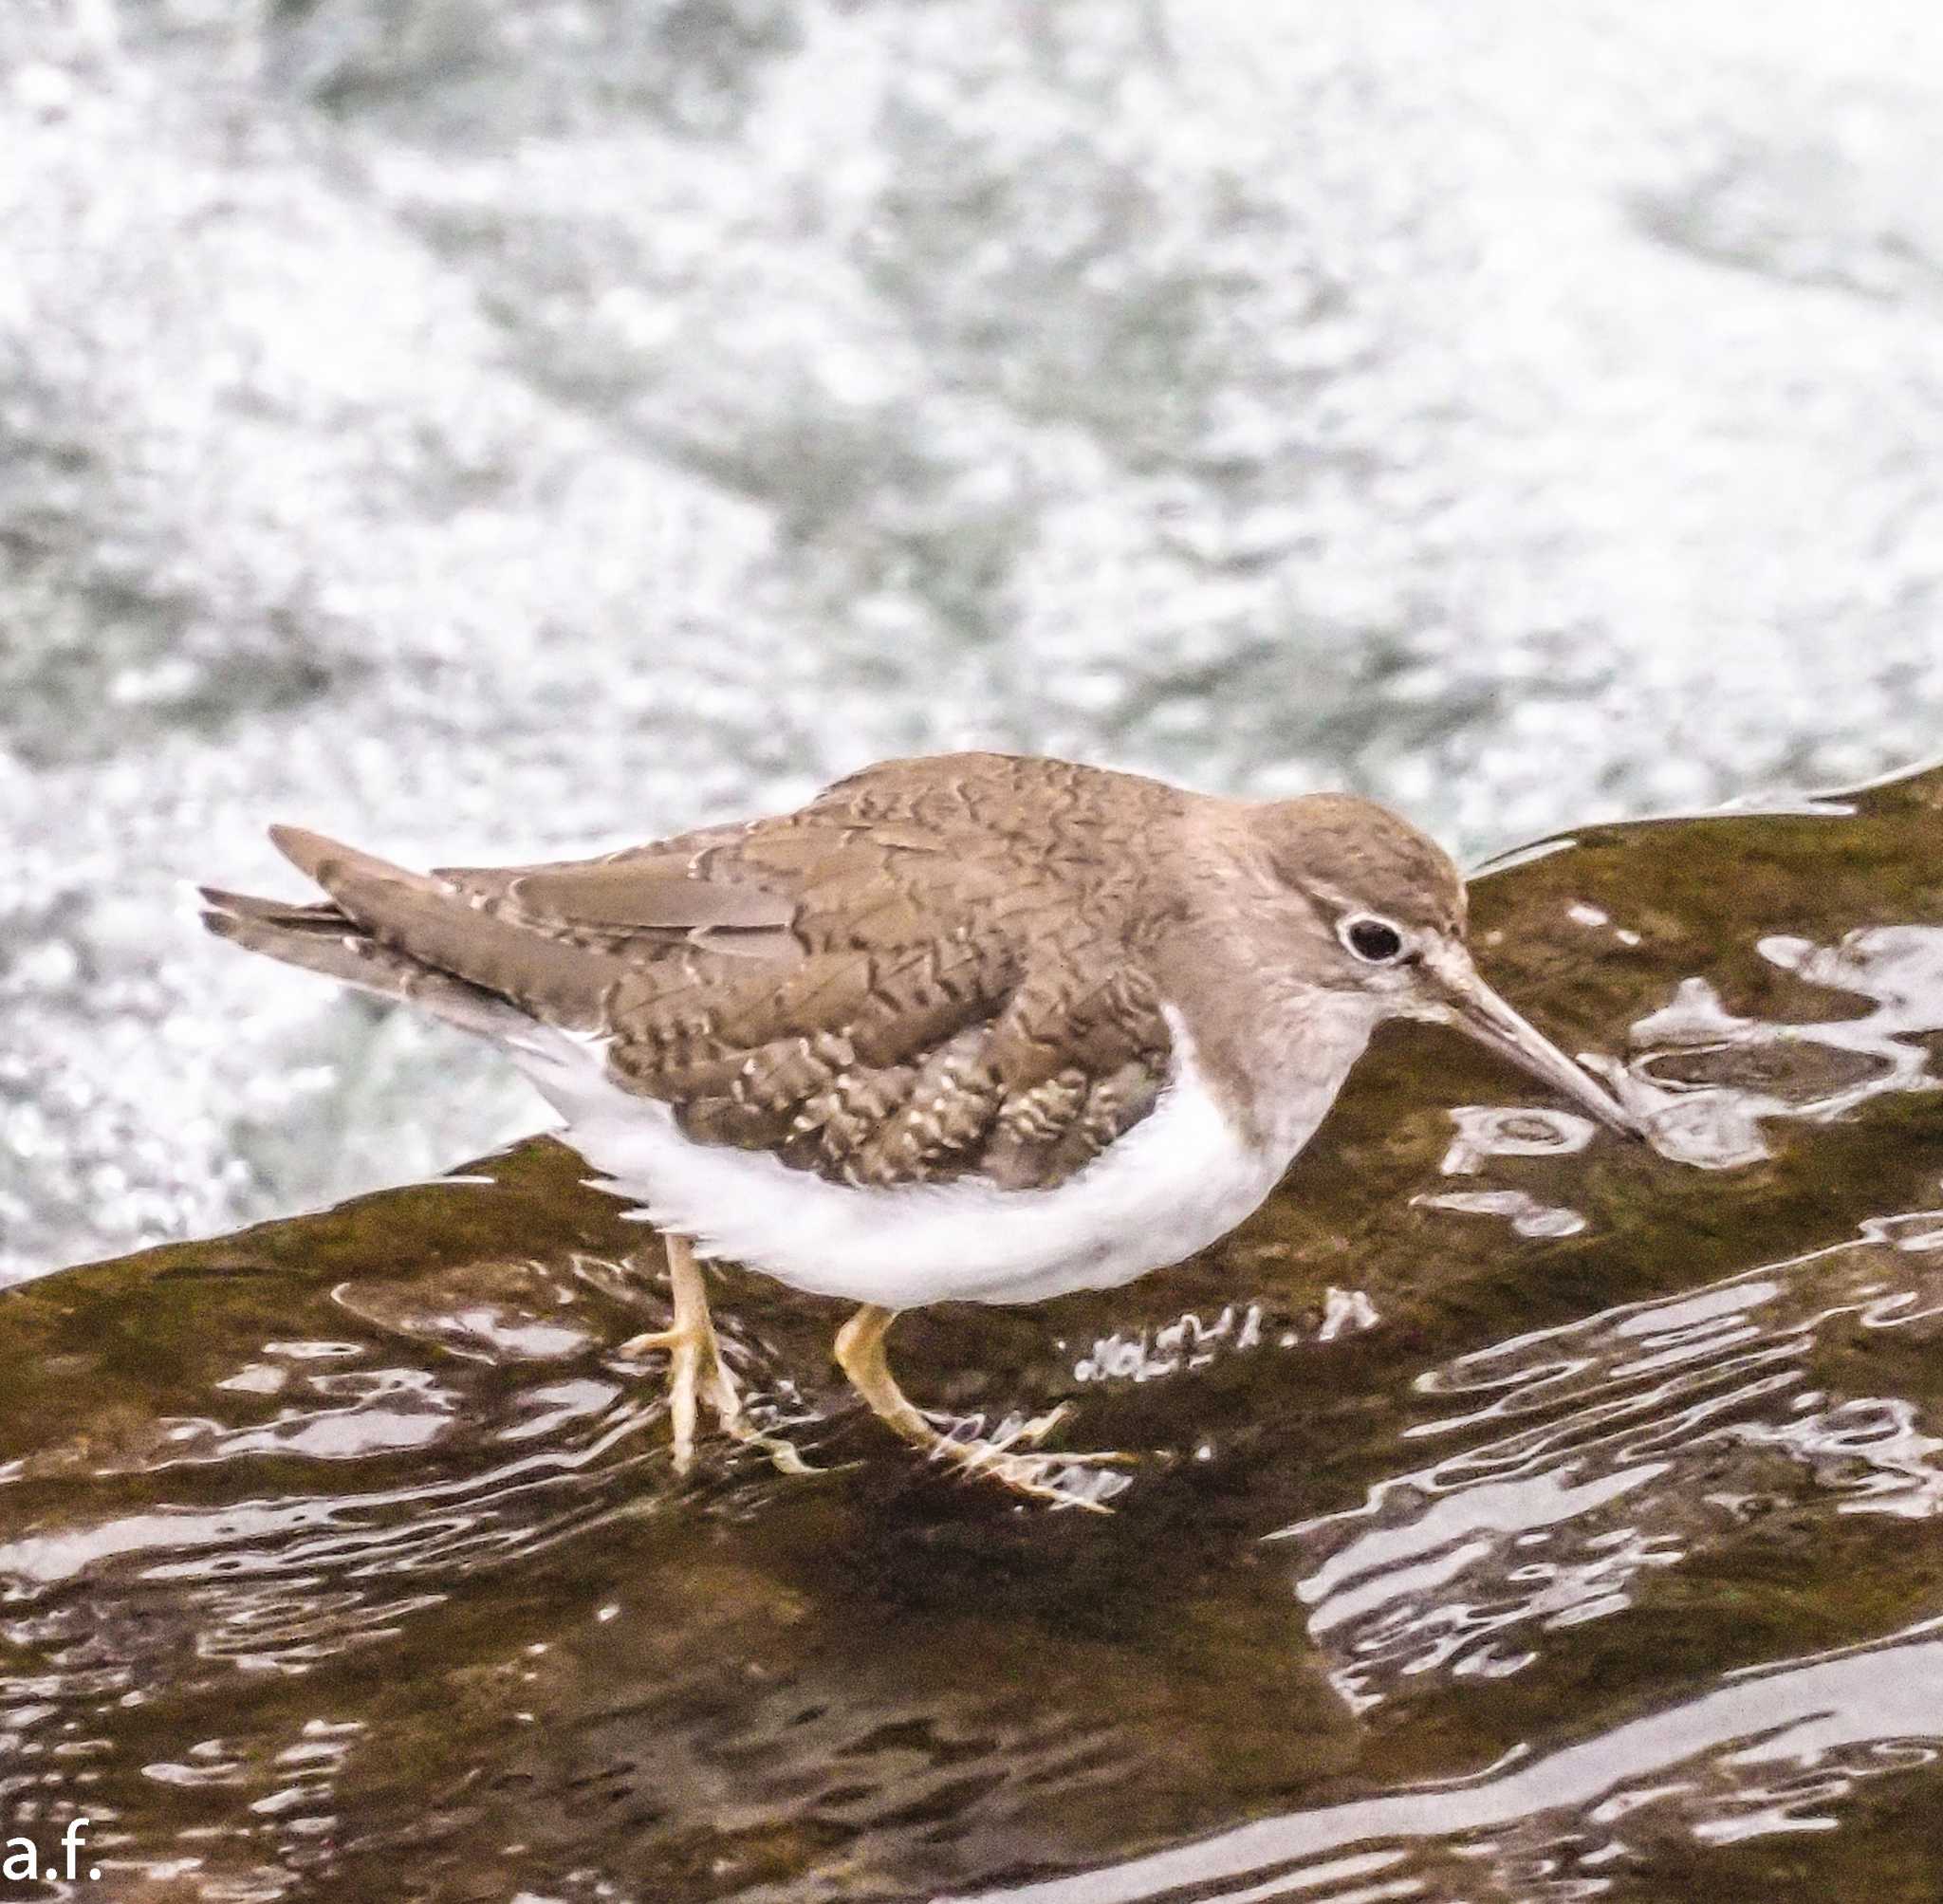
781,1453
1061,1480
1032,1432
1040,1480
655,1342
784,1455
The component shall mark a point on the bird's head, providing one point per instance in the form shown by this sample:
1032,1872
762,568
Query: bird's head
1381,912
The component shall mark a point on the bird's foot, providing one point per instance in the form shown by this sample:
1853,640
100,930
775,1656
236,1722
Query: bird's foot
696,1371
1064,1480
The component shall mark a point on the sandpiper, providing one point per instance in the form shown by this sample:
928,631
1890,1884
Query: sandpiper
977,1027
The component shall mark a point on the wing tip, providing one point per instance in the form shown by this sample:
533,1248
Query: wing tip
304,849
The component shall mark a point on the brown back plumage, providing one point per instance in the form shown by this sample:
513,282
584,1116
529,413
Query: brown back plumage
935,968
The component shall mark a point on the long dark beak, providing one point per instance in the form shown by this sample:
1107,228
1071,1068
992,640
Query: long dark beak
1458,996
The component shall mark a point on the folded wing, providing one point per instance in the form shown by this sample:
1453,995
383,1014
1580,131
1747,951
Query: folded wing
880,997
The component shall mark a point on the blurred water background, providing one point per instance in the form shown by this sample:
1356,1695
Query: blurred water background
490,429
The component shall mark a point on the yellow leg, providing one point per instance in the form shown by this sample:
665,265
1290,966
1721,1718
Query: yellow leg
860,1354
695,1368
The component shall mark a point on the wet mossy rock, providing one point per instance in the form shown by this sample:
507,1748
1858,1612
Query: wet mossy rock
343,1557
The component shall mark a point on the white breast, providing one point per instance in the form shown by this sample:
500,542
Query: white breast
1180,1178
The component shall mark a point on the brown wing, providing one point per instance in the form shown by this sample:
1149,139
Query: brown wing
921,975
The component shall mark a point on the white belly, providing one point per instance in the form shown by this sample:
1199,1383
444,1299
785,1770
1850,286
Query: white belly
1180,1179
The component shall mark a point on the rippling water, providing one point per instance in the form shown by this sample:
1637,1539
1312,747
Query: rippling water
1520,1515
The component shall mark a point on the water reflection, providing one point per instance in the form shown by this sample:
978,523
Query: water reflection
1707,1076
1599,1451
1770,1749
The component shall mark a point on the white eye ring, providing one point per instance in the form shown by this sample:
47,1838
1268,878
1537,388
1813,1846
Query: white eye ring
1372,938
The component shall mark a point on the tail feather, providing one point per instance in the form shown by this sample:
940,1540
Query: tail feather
430,924
406,935
328,919
321,939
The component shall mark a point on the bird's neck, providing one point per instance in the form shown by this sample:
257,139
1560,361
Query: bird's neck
1271,1044
1273,1059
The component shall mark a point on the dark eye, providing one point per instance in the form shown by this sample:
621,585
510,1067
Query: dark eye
1374,940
